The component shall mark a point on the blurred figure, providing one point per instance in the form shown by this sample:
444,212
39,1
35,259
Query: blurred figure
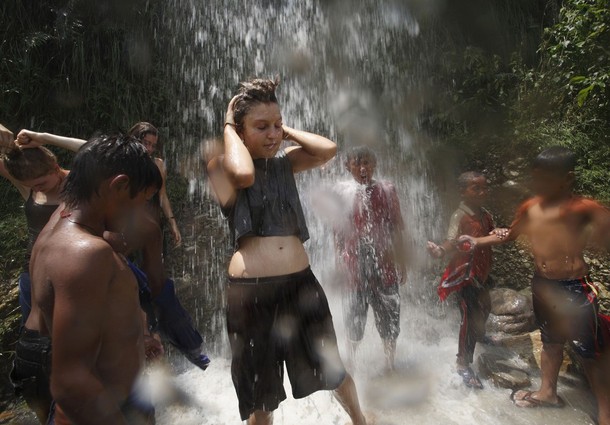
559,226
277,312
370,248
467,273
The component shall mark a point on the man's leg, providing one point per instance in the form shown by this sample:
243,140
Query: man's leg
550,363
389,348
347,396
260,417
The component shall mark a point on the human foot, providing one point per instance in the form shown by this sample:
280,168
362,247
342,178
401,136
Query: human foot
529,399
471,380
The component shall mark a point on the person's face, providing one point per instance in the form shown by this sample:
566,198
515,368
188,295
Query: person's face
46,183
150,143
262,130
362,169
475,193
549,184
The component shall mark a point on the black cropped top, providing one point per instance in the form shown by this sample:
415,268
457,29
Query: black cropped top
271,206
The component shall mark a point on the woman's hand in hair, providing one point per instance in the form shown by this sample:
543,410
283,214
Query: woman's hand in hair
229,118
29,139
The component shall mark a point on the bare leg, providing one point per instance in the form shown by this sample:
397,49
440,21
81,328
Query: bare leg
598,373
260,417
550,363
347,396
389,348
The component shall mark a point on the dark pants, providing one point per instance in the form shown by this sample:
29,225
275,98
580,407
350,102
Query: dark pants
25,296
32,372
475,306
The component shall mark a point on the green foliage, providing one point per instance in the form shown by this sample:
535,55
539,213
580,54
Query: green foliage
576,59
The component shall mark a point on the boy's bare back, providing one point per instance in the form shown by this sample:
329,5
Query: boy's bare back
85,293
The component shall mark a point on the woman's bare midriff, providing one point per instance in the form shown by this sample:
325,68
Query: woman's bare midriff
268,256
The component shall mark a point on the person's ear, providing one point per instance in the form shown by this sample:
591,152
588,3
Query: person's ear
119,183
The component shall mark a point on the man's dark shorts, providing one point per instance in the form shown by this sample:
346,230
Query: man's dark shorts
567,310
385,302
277,320
32,370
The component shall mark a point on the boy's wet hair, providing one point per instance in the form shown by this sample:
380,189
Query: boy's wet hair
465,178
31,163
556,159
105,157
251,93
142,129
359,153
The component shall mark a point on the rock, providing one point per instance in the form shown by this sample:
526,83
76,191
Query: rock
511,312
502,372
505,301
528,347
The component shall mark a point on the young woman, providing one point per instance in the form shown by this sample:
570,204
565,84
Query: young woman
148,135
277,311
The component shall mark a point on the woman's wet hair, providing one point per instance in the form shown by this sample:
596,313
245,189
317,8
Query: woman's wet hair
251,93
105,157
556,159
31,163
142,129
466,178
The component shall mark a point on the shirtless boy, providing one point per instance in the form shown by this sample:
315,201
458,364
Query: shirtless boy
559,225
84,296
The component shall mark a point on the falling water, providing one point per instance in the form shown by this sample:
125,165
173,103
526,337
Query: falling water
358,72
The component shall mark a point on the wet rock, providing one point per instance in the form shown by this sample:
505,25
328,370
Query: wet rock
502,372
528,348
511,312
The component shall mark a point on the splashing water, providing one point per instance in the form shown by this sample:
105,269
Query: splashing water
356,71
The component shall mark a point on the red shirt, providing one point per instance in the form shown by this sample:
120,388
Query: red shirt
465,221
368,244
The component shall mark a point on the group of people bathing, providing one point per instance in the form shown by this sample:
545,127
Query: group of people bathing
87,303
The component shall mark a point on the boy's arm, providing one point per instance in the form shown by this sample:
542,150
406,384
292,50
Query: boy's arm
81,292
600,236
33,139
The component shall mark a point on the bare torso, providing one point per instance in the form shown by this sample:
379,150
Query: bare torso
558,237
268,256
112,316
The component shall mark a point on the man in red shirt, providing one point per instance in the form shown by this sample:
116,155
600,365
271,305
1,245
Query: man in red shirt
370,247
467,272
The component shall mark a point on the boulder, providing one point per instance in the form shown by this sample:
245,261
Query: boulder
511,312
502,372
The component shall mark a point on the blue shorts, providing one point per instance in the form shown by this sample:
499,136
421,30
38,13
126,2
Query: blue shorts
567,310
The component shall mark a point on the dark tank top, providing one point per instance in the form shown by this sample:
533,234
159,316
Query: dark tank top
37,216
271,206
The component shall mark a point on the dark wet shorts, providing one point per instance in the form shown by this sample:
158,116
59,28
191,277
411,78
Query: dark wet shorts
277,320
32,370
567,310
385,302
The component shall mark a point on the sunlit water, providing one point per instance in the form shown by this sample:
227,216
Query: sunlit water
356,71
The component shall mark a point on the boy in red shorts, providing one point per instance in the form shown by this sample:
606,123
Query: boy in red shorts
467,273
559,226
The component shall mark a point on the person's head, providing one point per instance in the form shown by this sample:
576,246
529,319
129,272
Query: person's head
361,163
36,168
258,119
147,134
114,169
553,172
473,188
